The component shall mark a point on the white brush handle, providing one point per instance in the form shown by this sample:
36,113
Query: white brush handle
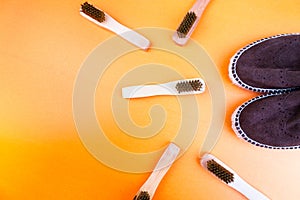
146,91
160,89
161,168
121,30
247,190
198,8
238,183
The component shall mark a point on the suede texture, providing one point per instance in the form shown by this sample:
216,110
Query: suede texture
271,64
273,120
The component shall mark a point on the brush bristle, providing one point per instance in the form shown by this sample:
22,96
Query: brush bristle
143,195
220,171
186,24
188,86
93,12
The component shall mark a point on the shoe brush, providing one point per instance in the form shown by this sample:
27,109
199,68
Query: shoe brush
179,87
189,22
104,20
230,177
146,192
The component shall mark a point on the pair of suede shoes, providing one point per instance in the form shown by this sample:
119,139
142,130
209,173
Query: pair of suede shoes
270,66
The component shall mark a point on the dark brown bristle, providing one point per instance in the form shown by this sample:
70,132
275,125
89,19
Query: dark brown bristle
93,12
143,195
220,171
188,86
186,24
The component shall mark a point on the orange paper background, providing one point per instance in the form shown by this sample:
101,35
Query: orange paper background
42,46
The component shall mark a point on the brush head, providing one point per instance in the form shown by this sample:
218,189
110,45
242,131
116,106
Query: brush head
143,195
220,171
93,12
189,85
186,24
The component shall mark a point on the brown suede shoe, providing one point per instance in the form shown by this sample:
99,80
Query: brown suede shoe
268,65
270,121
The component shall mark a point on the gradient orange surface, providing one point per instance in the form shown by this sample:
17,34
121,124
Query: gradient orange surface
42,46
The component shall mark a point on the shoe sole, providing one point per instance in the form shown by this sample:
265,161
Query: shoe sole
235,124
235,78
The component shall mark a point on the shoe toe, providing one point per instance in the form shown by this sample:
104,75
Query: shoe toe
265,64
271,121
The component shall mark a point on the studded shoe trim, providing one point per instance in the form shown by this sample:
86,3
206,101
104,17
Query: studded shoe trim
236,126
235,78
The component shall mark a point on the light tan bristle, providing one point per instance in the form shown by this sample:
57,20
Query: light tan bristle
188,86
